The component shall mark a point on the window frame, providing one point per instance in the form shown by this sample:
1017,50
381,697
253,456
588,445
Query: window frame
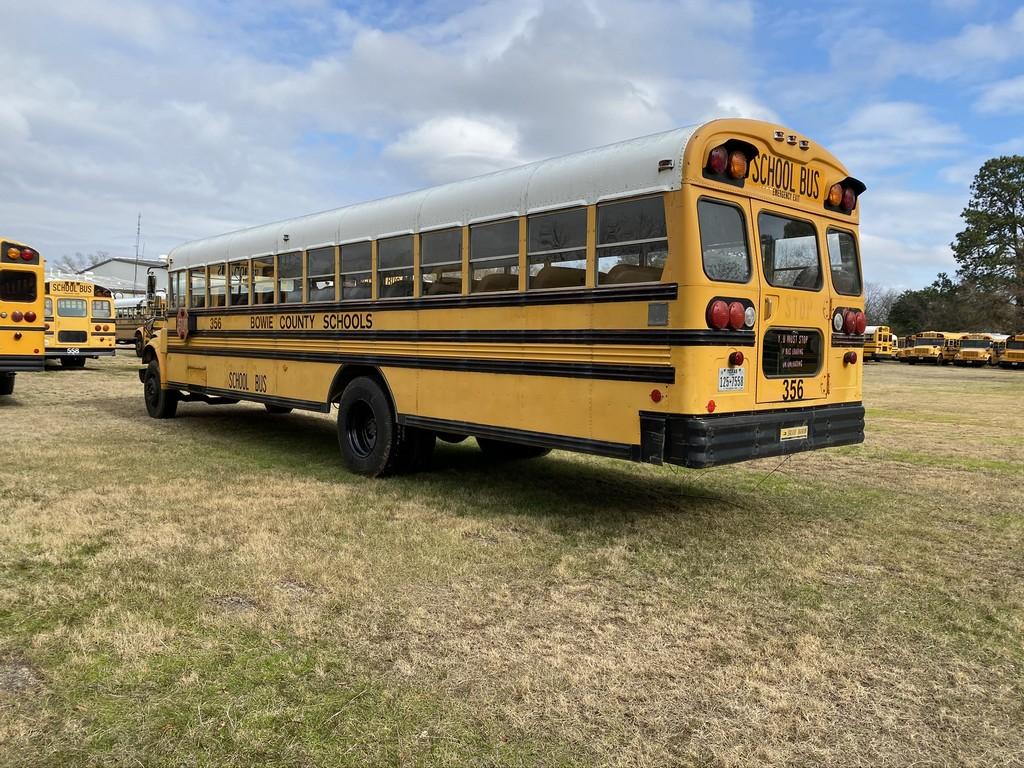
206,286
231,264
272,259
856,257
530,218
342,272
308,290
817,249
382,271
209,284
487,262
278,277
746,239
660,196
433,267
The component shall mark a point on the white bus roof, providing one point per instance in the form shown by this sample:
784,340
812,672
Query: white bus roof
624,169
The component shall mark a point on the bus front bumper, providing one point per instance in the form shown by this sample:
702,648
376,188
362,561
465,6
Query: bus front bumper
707,441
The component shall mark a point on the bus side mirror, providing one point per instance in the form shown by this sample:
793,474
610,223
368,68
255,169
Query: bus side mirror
150,286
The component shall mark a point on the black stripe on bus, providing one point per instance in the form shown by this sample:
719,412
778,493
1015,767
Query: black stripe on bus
847,340
22,327
22,363
660,374
540,439
660,292
102,321
286,402
674,338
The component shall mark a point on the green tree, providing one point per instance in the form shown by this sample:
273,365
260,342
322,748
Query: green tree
990,249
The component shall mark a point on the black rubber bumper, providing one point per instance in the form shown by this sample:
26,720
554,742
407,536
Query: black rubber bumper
21,363
707,441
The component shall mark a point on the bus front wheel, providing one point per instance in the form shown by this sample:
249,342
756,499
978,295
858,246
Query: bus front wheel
140,345
160,403
277,409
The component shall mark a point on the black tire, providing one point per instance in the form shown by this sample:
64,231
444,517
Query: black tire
6,384
1001,365
277,409
368,434
160,403
140,345
451,437
72,362
504,451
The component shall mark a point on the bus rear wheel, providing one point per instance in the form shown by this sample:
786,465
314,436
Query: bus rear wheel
367,429
505,451
6,384
160,403
140,345
72,362
277,409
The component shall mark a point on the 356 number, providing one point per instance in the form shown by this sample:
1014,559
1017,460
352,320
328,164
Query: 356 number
793,389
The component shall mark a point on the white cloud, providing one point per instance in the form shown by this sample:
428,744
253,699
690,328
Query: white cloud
455,147
894,134
1003,97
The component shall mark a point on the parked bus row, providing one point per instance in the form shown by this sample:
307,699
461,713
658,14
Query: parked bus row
962,348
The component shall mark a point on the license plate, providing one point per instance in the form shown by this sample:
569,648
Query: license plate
731,379
793,433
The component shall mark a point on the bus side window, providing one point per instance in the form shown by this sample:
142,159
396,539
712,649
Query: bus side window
394,267
289,277
263,280
632,242
441,262
556,251
197,286
218,288
494,256
238,283
320,274
723,241
356,275
842,258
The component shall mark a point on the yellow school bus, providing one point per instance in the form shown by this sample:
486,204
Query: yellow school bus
80,321
1013,353
879,343
692,297
904,348
928,347
977,349
21,312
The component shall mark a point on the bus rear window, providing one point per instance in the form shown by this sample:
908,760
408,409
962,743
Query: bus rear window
842,258
17,285
101,309
723,241
789,252
71,307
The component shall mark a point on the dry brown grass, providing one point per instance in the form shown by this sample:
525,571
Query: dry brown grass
216,590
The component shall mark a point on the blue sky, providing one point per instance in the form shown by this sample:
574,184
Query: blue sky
209,116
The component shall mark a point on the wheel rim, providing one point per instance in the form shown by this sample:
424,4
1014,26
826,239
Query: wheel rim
361,428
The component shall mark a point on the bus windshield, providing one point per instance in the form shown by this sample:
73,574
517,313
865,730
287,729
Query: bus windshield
976,343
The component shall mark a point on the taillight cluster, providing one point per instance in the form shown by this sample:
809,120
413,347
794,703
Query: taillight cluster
28,317
842,196
102,328
725,162
849,321
19,253
734,314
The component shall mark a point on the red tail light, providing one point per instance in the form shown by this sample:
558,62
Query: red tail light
17,316
850,321
30,316
862,322
97,328
736,358
718,160
736,315
27,254
718,315
850,358
737,165
106,327
849,199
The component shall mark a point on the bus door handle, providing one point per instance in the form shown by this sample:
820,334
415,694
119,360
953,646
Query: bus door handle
769,306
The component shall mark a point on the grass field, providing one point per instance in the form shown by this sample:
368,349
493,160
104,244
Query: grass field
215,590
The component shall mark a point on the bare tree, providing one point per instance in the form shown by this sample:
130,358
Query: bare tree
878,301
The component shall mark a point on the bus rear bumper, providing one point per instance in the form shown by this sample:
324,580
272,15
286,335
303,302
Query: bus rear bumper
711,440
21,363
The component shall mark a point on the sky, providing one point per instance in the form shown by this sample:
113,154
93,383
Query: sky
212,115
